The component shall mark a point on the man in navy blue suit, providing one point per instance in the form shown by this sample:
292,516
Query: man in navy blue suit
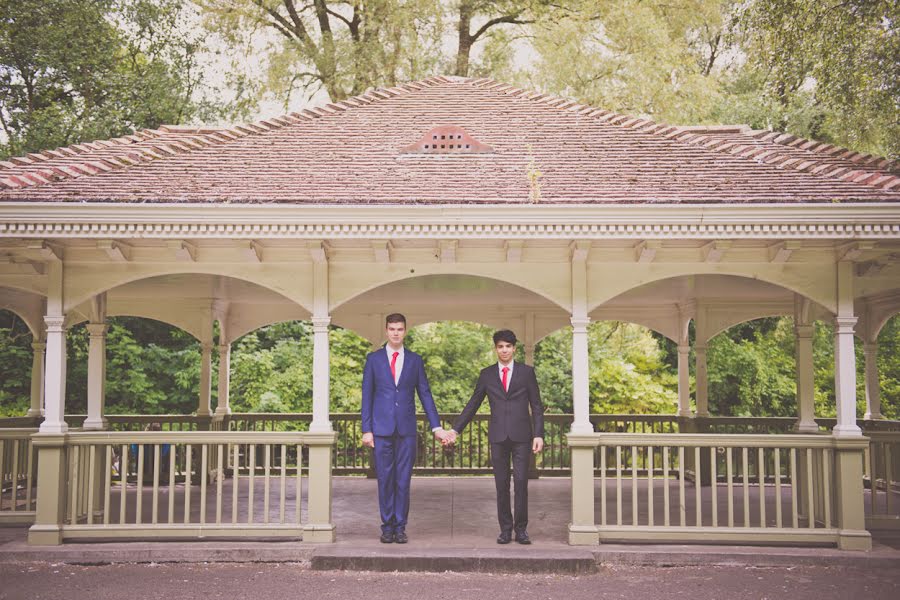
391,378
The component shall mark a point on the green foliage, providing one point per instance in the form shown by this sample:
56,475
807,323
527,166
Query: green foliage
73,71
751,370
15,365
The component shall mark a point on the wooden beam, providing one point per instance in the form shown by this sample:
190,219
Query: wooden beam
853,251
253,252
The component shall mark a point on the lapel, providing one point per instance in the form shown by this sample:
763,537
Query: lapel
407,356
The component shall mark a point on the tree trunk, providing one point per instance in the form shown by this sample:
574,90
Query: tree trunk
465,40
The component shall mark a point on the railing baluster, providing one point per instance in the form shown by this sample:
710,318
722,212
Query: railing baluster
603,484
651,508
635,459
666,504
235,483
14,481
810,494
156,469
189,468
220,480
281,484
251,482
268,455
204,470
107,482
714,485
795,513
888,476
171,516
299,486
123,482
3,470
682,509
138,516
618,484
92,473
778,517
826,485
761,476
745,476
698,488
729,469
73,505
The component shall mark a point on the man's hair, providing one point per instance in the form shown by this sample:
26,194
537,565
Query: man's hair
394,318
505,335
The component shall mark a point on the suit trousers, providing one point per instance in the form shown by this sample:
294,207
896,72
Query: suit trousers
395,456
520,453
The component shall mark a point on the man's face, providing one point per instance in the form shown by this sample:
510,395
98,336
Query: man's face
395,334
505,351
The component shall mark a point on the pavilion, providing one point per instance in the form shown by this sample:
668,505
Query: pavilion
466,199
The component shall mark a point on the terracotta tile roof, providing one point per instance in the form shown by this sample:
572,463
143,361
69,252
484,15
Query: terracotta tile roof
545,149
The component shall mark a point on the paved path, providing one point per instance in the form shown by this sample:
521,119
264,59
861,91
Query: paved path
289,581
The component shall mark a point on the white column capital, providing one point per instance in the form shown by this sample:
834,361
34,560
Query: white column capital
223,348
55,323
38,346
97,329
684,349
845,324
206,347
870,348
320,324
580,324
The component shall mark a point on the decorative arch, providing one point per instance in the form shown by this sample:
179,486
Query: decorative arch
89,283
619,283
28,306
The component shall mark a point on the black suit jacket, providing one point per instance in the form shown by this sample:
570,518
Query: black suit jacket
510,416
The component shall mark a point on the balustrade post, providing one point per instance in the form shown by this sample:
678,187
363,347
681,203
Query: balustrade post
37,379
873,386
51,489
684,381
806,422
96,376
702,381
319,526
223,408
582,528
849,494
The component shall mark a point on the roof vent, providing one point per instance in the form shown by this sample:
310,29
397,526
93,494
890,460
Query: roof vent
448,139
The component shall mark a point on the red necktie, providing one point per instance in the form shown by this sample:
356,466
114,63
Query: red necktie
394,366
505,372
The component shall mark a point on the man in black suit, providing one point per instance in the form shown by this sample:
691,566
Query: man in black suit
512,389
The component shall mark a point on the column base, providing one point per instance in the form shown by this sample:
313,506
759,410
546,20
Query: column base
320,427
319,534
222,412
583,535
849,539
47,427
806,427
45,535
847,430
95,424
581,428
34,413
867,416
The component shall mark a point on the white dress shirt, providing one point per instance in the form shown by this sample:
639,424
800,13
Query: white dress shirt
398,366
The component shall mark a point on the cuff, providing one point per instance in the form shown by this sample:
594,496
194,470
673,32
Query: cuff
433,429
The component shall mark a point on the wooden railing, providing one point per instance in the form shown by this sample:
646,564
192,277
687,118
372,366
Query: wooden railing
762,488
882,473
177,484
18,475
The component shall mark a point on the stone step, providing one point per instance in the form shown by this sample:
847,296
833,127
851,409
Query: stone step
506,559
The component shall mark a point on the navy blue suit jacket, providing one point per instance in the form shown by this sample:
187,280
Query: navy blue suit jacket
387,407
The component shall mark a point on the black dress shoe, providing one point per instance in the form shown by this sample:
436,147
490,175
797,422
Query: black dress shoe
400,537
387,538
522,537
505,537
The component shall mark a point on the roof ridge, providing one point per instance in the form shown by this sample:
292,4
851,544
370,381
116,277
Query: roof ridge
879,176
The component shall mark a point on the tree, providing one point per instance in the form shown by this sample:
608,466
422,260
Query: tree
341,47
73,71
837,59
15,365
646,57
